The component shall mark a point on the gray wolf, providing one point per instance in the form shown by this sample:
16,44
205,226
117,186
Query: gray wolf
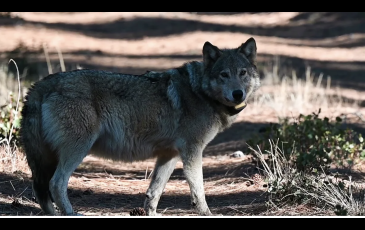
167,115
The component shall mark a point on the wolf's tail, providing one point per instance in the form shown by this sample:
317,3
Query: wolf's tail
41,159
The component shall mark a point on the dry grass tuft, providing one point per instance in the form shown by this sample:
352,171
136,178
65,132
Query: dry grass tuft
288,96
289,187
11,159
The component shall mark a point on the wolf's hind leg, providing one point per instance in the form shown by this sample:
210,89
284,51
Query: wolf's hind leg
41,178
69,160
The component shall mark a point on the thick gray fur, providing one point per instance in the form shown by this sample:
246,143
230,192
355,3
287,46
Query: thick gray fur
168,115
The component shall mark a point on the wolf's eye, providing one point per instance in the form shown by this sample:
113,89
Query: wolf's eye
225,75
243,72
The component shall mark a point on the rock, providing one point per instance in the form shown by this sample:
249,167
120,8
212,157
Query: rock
237,154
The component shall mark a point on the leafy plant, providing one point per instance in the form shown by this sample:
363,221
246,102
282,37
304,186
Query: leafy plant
313,143
340,210
8,117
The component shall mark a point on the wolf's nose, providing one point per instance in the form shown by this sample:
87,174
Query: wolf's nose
237,95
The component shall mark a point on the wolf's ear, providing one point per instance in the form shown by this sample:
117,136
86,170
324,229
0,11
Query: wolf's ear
210,53
249,49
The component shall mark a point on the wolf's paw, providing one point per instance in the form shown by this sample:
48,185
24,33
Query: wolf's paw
206,213
154,214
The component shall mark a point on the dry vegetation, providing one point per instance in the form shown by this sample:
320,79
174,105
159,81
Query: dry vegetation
234,186
289,186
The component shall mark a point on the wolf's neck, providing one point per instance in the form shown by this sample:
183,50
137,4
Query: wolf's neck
195,71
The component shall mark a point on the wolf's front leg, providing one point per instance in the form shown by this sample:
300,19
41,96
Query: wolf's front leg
161,174
193,170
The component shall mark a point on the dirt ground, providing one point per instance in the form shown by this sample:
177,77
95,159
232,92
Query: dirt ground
330,43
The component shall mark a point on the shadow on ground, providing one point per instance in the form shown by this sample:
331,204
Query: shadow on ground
343,74
307,25
22,202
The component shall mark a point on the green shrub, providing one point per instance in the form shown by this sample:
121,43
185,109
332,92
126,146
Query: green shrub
313,143
10,117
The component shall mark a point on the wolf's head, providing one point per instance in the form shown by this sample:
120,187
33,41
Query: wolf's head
230,75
